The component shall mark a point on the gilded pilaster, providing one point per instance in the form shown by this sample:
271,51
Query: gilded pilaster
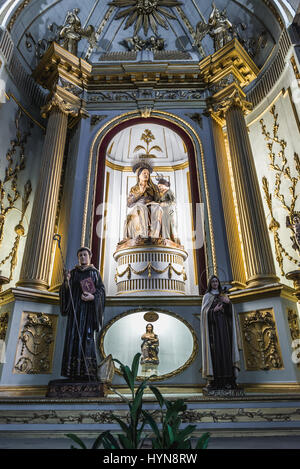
257,247
228,71
37,254
235,250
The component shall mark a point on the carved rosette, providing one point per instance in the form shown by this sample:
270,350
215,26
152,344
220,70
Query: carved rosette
36,344
260,341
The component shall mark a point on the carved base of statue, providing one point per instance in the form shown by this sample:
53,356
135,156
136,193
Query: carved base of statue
154,266
148,370
211,391
66,388
128,243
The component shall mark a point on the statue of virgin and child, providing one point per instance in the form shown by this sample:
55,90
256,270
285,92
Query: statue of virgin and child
152,208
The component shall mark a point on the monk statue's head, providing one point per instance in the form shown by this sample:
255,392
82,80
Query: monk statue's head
84,255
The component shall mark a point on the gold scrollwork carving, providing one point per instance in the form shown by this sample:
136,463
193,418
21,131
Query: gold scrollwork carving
295,70
36,343
9,193
260,340
3,325
279,164
149,267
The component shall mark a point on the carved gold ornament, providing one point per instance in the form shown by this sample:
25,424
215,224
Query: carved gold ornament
149,267
145,13
3,324
260,341
35,347
147,137
278,163
151,316
9,193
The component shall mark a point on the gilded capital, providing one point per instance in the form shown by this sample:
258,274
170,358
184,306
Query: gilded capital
226,99
66,103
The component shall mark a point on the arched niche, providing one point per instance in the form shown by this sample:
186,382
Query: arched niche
109,168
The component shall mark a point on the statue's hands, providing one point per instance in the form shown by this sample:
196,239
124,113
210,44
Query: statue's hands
87,296
225,299
142,188
219,307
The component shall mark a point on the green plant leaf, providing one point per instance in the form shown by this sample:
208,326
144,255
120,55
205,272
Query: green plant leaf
97,442
77,440
203,441
122,424
127,375
135,365
150,420
176,423
183,434
171,434
126,442
109,442
174,408
158,395
136,405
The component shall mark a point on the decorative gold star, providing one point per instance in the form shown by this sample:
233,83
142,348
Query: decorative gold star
145,13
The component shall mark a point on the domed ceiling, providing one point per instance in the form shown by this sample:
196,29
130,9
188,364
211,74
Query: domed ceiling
145,30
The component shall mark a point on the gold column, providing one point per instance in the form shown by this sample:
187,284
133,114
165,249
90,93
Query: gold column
37,254
235,250
256,242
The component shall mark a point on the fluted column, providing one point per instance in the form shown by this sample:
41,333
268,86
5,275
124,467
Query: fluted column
234,246
256,242
37,254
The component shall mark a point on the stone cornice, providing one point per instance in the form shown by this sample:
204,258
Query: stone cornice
266,291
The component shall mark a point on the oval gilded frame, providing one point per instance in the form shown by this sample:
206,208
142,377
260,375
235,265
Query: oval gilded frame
174,315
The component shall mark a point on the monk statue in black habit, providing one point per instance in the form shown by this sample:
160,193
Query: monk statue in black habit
84,308
82,299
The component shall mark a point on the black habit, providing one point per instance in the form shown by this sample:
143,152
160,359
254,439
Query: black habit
89,314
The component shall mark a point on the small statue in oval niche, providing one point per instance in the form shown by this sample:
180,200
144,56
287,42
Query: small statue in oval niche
149,347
